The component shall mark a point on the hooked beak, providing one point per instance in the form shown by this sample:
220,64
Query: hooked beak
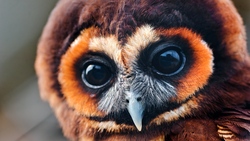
135,109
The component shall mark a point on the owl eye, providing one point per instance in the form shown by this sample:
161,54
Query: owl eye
96,74
168,60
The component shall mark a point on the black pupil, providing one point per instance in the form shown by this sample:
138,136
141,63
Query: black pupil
96,74
168,61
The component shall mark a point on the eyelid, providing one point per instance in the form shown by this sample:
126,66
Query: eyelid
98,59
160,48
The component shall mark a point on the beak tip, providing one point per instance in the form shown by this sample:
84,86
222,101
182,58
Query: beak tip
139,128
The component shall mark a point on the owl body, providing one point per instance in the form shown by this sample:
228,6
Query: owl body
146,70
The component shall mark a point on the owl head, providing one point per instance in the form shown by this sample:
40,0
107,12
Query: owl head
137,66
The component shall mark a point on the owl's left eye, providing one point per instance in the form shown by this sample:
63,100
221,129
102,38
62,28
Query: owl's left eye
96,74
168,60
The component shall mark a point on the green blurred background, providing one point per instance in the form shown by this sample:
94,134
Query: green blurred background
23,116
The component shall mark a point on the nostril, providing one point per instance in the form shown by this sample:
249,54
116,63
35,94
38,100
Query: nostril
138,99
127,100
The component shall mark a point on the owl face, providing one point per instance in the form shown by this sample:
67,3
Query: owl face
123,66
155,72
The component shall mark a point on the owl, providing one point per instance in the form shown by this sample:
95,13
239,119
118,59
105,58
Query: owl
146,70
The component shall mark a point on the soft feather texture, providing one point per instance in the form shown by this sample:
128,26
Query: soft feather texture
223,102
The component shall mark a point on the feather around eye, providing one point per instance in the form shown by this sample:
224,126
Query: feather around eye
201,62
71,87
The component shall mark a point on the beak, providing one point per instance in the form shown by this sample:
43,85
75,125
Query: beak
135,109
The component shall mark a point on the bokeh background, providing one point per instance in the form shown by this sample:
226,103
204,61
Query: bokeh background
23,115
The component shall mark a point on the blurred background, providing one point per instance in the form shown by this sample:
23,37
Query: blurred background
23,115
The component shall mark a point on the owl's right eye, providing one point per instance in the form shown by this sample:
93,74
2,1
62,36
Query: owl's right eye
96,74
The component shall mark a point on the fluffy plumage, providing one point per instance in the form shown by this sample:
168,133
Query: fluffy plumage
206,98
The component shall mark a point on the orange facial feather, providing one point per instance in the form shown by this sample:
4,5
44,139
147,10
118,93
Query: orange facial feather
75,95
